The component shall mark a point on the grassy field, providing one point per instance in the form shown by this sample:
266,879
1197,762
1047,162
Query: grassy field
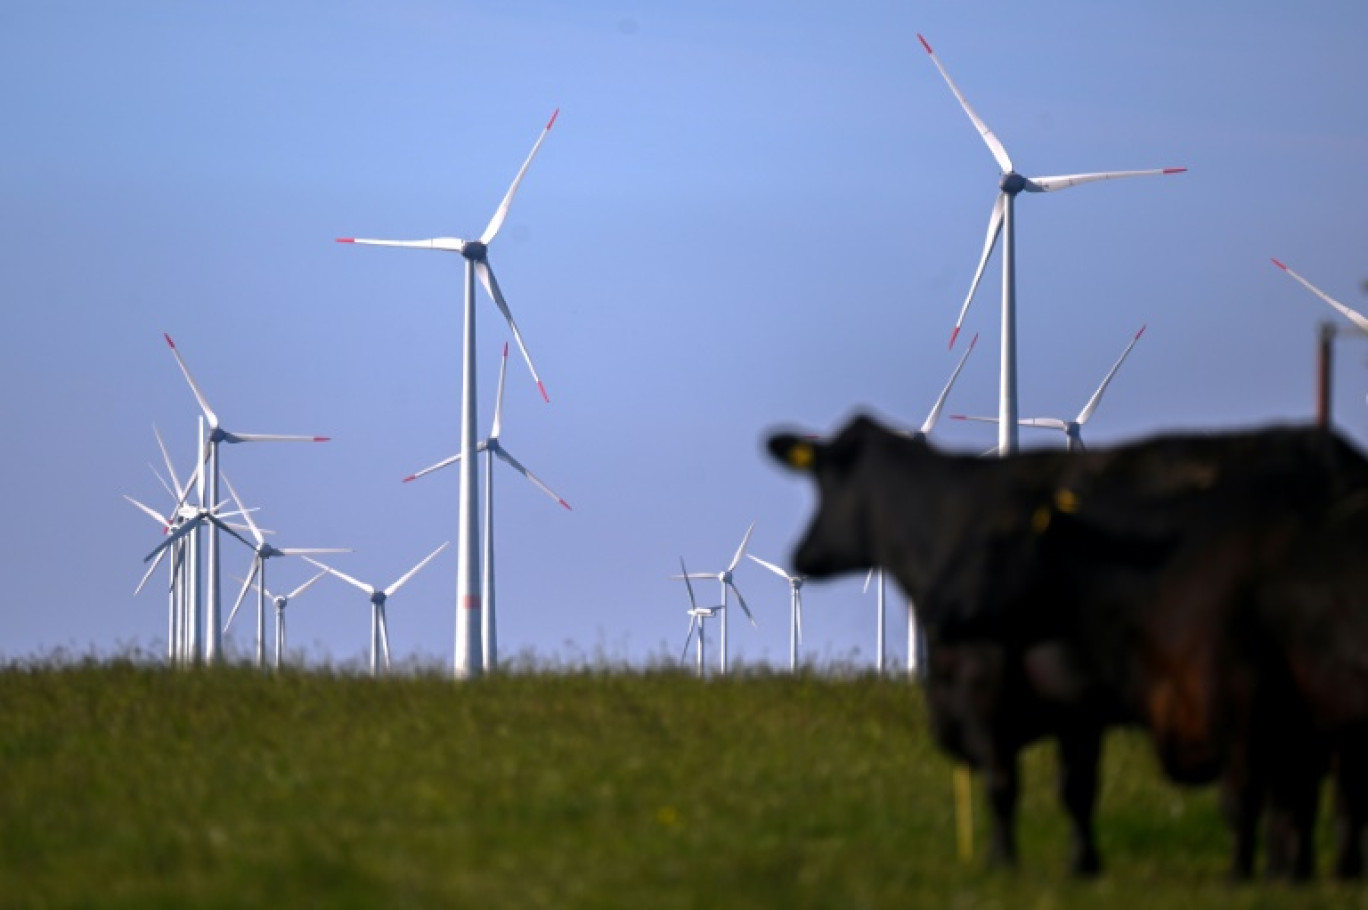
131,785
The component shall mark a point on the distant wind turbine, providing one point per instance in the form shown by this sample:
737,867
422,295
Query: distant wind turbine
697,618
281,601
880,621
1002,221
262,552
218,434
725,580
795,583
469,651
492,447
378,599
1072,429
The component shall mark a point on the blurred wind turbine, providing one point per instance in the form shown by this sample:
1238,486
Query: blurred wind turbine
378,598
931,418
697,618
216,435
795,583
281,601
492,447
1354,316
724,578
1002,221
262,552
1072,429
469,654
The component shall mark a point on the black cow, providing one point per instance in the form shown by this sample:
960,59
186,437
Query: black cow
1062,593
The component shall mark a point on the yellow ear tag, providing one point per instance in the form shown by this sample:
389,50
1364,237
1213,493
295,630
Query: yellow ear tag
801,456
1040,519
1066,501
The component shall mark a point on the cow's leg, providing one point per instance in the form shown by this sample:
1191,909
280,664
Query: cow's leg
1080,752
1242,799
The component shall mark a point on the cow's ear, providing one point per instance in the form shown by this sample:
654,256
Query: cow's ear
794,452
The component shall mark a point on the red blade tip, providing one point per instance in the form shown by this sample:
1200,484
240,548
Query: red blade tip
959,417
564,503
974,342
924,44
168,339
554,115
954,335
322,439
541,388
346,239
1142,330
1175,170
505,350
410,478
1278,264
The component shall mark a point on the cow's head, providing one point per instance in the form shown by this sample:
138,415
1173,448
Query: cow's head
838,538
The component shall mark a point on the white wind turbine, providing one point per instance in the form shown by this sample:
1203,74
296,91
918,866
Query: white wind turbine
378,598
1354,316
262,552
795,583
218,434
1072,429
1002,221
468,660
698,616
724,579
281,601
492,447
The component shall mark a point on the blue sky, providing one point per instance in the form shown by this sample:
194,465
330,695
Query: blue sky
747,216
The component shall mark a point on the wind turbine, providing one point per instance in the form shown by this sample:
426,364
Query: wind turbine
1072,429
697,617
1002,221
724,579
1354,316
795,583
468,660
492,447
262,552
217,434
281,601
378,598
934,415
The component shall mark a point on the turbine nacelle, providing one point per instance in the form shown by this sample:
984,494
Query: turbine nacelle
474,250
1013,183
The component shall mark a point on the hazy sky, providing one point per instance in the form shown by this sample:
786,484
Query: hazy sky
748,215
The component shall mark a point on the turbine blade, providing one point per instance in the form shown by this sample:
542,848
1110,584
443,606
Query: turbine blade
199,396
742,601
243,510
498,398
342,575
945,392
436,467
1048,423
445,244
972,417
688,585
693,621
1354,316
384,635
1049,184
176,534
304,587
1096,398
271,437
166,457
868,578
311,551
228,529
990,139
994,229
515,465
492,286
741,550
246,586
769,565
414,571
148,574
157,516
501,212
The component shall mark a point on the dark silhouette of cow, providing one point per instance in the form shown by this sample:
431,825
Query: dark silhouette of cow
1157,582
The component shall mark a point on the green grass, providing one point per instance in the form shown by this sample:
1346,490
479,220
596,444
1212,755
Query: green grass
129,785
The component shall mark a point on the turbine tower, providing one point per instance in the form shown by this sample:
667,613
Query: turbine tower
1072,429
1002,221
492,447
469,657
